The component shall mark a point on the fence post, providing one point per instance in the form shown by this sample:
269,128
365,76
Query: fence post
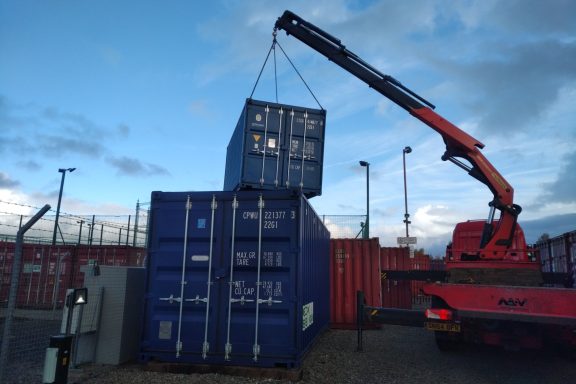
136,222
92,230
128,231
11,307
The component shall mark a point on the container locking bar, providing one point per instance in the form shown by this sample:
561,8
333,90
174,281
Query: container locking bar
206,345
228,345
303,150
256,347
265,146
290,149
183,280
279,147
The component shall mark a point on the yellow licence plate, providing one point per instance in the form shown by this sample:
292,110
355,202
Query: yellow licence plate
446,327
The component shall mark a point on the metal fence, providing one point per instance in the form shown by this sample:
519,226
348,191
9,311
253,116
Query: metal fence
44,274
128,230
344,226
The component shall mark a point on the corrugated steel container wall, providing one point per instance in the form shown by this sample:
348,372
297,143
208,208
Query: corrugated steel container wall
278,254
419,262
395,293
6,257
114,255
45,274
270,149
48,271
423,263
354,266
558,254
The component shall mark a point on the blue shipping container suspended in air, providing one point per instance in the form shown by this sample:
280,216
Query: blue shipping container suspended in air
276,146
238,278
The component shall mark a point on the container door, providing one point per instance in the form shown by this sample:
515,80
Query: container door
263,138
305,151
180,308
260,313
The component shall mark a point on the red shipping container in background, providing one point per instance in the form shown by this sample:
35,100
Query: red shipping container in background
48,271
422,262
354,266
395,293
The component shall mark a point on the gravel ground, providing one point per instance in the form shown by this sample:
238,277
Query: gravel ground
391,355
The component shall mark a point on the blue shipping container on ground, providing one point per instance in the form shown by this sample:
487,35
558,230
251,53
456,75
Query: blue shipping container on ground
238,278
276,146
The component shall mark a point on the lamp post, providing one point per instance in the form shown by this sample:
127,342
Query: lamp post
63,172
406,214
366,233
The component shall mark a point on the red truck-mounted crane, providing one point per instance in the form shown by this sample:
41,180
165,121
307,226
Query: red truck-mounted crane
491,289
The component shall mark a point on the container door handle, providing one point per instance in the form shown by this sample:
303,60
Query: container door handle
241,300
197,299
269,301
171,299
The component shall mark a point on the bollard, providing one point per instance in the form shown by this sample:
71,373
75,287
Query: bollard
57,360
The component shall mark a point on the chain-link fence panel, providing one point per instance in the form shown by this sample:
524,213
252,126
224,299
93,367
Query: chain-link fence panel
345,226
45,274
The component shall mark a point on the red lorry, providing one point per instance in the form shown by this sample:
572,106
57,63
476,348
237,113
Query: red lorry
492,290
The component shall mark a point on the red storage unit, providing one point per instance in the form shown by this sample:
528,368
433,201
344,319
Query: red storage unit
419,262
354,266
48,271
558,254
422,262
395,293
6,259
45,274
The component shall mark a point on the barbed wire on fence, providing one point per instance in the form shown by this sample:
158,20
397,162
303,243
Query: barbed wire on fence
121,229
77,229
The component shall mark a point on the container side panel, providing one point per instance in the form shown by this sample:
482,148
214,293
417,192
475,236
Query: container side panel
313,303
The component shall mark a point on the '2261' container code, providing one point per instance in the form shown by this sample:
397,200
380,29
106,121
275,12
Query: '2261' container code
271,218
